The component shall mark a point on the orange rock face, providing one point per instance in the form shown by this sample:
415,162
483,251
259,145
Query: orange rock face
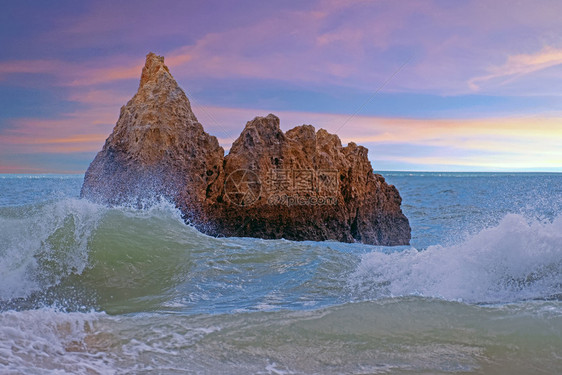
157,148
298,185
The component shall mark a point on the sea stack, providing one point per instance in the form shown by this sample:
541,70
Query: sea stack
298,185
157,148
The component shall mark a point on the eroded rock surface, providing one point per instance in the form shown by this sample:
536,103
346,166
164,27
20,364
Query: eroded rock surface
310,188
157,148
298,185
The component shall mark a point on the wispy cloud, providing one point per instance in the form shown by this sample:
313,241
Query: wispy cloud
82,131
90,73
501,143
96,76
28,66
519,65
355,44
94,56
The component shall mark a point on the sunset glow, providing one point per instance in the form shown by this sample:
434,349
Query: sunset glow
468,85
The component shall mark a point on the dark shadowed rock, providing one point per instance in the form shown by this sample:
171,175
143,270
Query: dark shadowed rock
298,185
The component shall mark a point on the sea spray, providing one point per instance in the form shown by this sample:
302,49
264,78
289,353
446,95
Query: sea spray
75,254
516,260
126,291
43,243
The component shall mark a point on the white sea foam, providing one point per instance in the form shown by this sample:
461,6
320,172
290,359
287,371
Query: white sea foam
513,261
40,244
47,341
43,243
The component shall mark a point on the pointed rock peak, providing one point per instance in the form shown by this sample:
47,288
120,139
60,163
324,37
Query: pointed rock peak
266,126
303,131
153,68
269,122
272,117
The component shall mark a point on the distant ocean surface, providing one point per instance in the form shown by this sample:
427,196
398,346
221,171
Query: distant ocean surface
86,289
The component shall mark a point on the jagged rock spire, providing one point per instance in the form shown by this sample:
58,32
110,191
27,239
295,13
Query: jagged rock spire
156,148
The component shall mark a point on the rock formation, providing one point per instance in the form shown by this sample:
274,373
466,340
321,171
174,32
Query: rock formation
298,185
157,148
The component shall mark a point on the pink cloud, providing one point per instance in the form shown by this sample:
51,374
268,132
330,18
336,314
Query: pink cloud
357,44
90,73
99,97
519,65
314,46
63,145
83,131
31,66
495,47
21,168
516,142
96,76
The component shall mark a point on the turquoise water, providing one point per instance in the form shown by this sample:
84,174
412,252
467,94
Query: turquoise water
87,289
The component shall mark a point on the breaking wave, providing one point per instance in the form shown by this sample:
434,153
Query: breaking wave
516,260
78,255
87,289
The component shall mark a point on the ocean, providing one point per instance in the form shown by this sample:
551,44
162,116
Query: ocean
86,289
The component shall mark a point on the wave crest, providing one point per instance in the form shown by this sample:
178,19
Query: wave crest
40,245
515,260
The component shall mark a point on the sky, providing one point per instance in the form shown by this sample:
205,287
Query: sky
425,85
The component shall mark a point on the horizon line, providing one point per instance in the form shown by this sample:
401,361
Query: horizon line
374,171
